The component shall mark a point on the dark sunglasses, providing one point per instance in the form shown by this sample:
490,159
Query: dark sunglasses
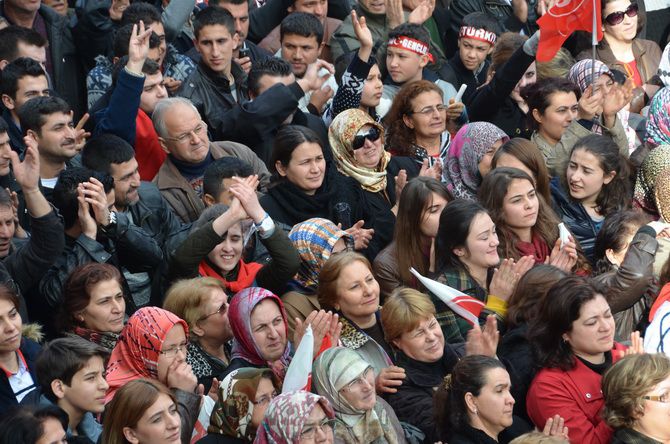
617,17
372,135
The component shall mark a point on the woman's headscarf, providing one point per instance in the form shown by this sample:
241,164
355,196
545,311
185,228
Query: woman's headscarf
662,194
239,316
141,340
467,149
341,135
581,74
286,416
656,161
332,371
658,121
233,411
314,239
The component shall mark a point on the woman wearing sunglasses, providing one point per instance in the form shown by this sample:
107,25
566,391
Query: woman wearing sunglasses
357,141
620,49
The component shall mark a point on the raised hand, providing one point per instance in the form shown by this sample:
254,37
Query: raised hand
394,13
80,135
422,12
524,264
400,182
88,226
564,258
616,100
434,171
244,189
94,193
321,96
363,34
117,8
27,173
138,47
389,378
504,280
172,85
324,323
362,236
311,81
556,427
590,104
636,345
483,342
455,109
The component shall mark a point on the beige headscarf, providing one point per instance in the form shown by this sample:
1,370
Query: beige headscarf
341,135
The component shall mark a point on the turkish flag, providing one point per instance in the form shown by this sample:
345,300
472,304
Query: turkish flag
564,18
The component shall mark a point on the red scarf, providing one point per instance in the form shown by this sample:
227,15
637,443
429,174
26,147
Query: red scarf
148,151
245,276
537,248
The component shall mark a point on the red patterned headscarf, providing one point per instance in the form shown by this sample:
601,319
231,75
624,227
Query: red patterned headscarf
141,340
239,316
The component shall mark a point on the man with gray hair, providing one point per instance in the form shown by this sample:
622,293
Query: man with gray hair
183,135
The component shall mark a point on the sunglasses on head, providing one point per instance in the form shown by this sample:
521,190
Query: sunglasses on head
617,17
372,135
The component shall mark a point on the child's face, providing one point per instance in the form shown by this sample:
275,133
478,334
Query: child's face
86,391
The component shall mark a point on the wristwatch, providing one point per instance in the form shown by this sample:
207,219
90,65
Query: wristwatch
111,220
266,227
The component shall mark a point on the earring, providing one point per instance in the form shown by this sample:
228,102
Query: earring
476,411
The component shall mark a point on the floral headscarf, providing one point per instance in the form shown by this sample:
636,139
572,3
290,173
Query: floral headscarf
314,239
467,149
341,135
239,316
656,161
333,370
658,122
287,415
233,411
141,340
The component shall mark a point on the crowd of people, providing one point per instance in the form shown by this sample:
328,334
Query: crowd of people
191,189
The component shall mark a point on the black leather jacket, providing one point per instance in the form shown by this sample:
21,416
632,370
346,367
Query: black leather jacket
575,217
123,245
233,120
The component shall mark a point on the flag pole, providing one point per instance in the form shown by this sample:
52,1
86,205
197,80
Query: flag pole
594,43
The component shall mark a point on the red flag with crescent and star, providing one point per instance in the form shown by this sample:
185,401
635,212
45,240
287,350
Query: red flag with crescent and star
561,20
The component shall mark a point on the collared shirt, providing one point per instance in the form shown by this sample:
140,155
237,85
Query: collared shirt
21,382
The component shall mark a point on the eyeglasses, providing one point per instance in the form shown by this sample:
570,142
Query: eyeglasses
372,135
198,131
264,400
662,398
172,351
358,382
222,309
326,425
430,110
617,17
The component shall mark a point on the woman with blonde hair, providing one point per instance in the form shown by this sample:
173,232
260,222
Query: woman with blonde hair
637,393
202,302
409,322
143,411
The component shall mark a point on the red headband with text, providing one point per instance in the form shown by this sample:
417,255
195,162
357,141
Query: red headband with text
470,32
410,44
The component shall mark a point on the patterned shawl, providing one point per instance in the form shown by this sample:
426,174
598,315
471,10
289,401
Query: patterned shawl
341,135
239,316
332,371
286,416
141,340
461,171
314,239
656,161
658,122
233,411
